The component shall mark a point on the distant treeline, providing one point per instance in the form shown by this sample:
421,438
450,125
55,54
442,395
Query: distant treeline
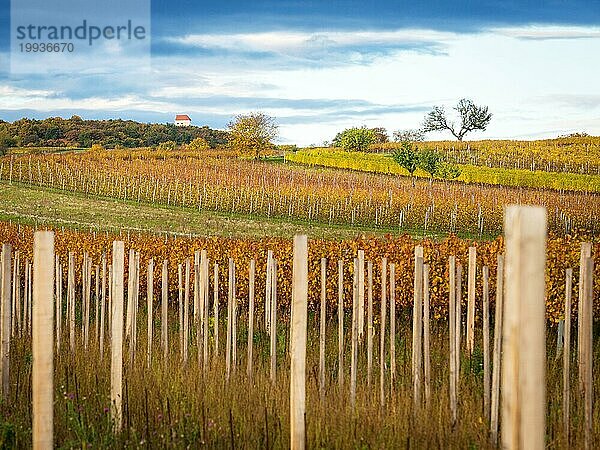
76,132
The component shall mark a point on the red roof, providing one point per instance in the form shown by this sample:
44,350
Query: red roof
182,117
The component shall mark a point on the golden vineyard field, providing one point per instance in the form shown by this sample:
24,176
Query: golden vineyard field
330,197
575,154
384,163
561,254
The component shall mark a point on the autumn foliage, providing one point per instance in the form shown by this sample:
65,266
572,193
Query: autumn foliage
399,250
195,180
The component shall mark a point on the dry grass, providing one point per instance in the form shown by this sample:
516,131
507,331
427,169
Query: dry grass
174,406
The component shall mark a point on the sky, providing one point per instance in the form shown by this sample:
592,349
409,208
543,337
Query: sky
319,67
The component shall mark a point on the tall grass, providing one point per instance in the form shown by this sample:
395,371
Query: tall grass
169,405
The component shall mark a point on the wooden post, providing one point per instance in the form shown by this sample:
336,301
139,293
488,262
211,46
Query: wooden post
417,334
13,308
298,344
134,307
229,320
86,286
130,281
586,252
15,301
370,332
273,319
71,300
25,295
426,356
60,295
471,299
216,307
149,307
234,322
361,293
354,353
88,299
250,317
116,387
496,366
566,405
180,298
43,345
486,343
29,296
560,334
97,302
186,312
19,297
458,331
340,322
17,294
109,316
382,333
524,343
196,318
392,326
587,321
6,318
452,334
103,306
58,304
197,293
164,311
84,300
268,290
322,329
205,312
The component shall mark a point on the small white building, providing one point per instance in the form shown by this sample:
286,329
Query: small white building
182,120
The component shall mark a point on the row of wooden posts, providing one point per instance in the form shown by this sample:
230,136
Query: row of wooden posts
518,349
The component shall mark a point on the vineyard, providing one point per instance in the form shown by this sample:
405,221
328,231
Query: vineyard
129,330
575,154
377,163
272,190
207,355
562,253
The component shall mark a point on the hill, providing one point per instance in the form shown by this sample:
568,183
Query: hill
76,132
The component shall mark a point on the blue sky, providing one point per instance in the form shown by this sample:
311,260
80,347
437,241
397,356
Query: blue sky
322,66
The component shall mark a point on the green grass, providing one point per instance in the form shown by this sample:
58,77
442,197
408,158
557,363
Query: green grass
383,163
32,205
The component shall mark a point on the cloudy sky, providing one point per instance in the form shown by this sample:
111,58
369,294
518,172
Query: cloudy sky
322,66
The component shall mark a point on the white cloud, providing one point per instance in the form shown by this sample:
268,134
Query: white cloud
42,101
537,81
15,92
549,32
291,43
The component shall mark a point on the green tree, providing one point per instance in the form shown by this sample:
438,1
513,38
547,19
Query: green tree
198,144
430,161
380,135
355,139
471,116
6,141
252,133
408,158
